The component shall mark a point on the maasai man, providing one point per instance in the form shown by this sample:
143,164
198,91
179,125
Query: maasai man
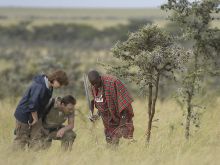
113,102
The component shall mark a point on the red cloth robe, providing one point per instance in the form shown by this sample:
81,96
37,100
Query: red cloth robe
116,99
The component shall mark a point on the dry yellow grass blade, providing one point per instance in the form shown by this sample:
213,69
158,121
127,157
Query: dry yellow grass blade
168,146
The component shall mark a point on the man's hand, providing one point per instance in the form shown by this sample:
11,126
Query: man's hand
61,132
93,118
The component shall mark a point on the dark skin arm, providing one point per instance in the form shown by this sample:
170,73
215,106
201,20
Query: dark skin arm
93,117
92,106
123,117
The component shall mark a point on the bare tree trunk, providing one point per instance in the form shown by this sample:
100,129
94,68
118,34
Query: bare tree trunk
149,112
151,106
190,96
188,118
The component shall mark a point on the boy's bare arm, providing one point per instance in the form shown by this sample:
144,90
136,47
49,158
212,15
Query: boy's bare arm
35,118
70,126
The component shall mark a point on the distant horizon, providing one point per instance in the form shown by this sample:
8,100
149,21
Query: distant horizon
47,7
81,3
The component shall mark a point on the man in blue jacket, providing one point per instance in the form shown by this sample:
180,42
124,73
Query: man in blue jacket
31,106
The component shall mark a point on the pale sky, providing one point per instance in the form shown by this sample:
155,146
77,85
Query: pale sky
82,3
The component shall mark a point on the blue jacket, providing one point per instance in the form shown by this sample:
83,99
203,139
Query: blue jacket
35,98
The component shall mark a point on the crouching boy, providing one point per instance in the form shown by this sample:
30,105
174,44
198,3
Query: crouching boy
57,112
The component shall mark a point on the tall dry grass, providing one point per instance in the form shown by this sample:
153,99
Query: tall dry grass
167,147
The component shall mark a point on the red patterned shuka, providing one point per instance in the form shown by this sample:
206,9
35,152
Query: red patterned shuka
111,99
